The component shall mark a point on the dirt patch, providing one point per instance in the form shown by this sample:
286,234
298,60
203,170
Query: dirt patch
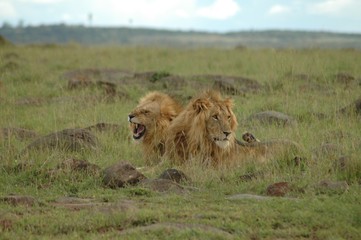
77,165
19,133
6,224
299,76
10,66
104,127
76,204
111,79
162,185
67,139
327,150
79,82
248,177
235,85
30,101
344,78
16,200
273,117
331,187
168,226
171,82
11,55
245,196
353,108
94,74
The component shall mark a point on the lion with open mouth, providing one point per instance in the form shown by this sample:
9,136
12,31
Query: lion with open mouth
149,121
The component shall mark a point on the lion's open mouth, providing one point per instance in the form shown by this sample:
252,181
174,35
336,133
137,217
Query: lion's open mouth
138,131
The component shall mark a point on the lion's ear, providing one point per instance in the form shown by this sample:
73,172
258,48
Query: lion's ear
229,103
200,105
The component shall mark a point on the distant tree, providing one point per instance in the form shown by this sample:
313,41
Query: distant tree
90,19
20,23
6,25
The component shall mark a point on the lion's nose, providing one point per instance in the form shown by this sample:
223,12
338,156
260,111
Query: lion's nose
227,133
130,116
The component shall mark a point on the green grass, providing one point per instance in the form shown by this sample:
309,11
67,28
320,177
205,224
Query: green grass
206,213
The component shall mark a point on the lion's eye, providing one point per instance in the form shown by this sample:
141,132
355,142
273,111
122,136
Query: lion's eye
229,118
215,117
145,111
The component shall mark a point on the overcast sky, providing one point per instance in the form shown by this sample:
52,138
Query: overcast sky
205,15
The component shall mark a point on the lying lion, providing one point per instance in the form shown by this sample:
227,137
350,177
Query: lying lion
205,131
149,121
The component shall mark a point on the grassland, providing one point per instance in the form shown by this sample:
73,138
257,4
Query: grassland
34,95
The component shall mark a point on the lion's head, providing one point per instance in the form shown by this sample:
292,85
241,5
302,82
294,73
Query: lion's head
149,120
204,129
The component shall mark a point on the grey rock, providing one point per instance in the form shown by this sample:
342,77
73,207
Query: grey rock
174,175
331,187
68,139
16,200
273,117
121,174
163,185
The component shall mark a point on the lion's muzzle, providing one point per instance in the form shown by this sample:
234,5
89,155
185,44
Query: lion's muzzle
137,128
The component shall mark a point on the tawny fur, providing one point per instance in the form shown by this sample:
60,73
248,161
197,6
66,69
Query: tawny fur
191,136
155,111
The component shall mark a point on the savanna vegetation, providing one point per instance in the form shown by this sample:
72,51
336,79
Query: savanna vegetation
64,34
49,88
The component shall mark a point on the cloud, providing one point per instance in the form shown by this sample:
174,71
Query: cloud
143,12
278,9
330,6
220,10
7,10
160,13
42,1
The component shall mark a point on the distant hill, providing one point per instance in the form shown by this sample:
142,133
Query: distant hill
62,34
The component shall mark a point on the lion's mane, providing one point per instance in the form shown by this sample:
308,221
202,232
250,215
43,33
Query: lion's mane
192,136
154,113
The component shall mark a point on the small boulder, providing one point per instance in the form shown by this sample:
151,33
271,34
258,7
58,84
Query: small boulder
344,77
19,133
6,224
232,85
162,185
16,200
331,187
104,127
109,87
273,117
121,174
67,139
77,165
248,177
279,189
174,175
79,82
353,108
342,163
327,150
